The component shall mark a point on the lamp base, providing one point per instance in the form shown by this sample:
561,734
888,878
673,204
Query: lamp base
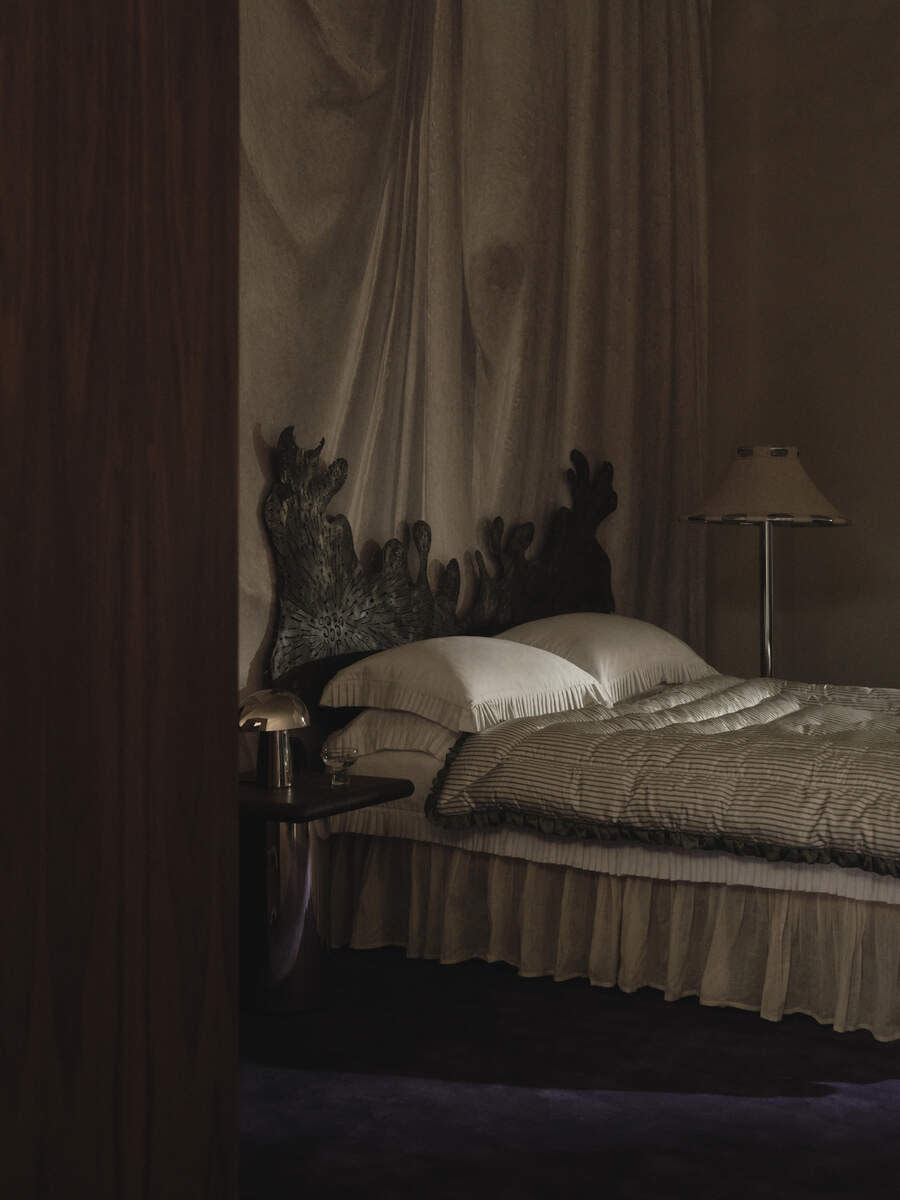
274,761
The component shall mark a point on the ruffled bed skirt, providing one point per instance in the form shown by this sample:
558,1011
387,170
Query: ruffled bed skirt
834,959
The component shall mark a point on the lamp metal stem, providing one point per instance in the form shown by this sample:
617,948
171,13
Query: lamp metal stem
274,767
767,653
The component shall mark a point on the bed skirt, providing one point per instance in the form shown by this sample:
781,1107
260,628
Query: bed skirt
834,959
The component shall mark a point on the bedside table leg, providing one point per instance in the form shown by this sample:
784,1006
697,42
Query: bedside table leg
281,952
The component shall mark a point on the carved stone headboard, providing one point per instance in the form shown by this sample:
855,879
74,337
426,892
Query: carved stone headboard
332,609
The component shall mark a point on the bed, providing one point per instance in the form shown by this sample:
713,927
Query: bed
591,799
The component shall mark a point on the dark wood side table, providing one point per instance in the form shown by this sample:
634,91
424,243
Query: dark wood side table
281,952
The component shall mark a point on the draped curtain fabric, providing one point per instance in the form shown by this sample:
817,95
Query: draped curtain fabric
474,237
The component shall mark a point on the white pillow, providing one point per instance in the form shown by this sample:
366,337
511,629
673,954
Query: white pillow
380,729
464,683
413,765
625,656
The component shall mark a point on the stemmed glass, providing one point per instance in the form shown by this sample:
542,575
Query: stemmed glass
337,759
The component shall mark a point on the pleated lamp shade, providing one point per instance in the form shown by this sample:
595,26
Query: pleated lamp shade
767,483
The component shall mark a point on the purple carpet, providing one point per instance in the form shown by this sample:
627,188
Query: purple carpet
421,1080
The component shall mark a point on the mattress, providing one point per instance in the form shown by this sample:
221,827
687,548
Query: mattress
405,819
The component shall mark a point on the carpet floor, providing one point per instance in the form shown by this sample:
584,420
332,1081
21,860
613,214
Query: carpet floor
422,1080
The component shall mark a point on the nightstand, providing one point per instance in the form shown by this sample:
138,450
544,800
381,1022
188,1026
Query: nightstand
281,952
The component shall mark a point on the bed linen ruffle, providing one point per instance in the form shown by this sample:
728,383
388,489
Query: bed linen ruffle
776,953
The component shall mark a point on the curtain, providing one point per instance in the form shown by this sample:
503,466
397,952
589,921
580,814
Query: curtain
474,236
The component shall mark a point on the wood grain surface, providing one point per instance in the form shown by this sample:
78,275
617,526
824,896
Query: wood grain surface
119,154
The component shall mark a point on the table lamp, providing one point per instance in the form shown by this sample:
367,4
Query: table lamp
273,715
767,486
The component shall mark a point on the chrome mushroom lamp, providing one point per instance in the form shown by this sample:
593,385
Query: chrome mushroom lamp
273,715
767,486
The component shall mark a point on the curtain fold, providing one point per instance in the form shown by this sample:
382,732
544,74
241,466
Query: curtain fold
474,237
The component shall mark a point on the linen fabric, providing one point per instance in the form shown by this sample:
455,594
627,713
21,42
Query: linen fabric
474,236
834,959
379,729
405,819
802,772
625,656
418,766
463,683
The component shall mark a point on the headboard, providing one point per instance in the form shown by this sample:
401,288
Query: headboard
332,609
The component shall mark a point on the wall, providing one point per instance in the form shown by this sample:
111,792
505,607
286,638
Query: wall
805,310
118,338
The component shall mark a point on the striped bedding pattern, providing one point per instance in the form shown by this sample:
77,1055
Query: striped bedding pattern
777,770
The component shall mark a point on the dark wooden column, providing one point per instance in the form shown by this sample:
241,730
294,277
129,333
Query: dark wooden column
118,292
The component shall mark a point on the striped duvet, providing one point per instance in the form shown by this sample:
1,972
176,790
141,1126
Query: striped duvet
762,767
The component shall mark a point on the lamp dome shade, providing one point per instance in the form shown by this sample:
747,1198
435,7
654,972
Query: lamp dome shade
768,483
273,712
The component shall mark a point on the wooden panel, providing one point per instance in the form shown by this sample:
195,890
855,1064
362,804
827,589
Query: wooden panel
118,851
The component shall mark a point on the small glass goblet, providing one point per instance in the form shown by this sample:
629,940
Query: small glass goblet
337,759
